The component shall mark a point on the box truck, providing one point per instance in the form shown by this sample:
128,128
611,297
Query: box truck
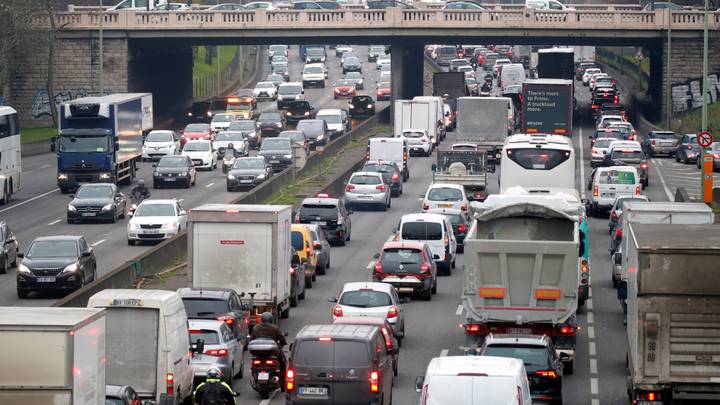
547,106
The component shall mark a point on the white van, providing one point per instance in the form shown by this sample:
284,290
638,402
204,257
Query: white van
470,380
147,343
434,229
552,5
438,111
611,182
390,150
512,78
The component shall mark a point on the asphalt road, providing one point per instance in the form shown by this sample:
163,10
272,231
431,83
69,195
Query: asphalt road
39,208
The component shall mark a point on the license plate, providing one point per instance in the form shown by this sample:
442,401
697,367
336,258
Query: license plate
169,179
274,161
608,195
151,231
319,222
313,390
46,279
88,214
445,205
519,331
263,376
245,181
406,290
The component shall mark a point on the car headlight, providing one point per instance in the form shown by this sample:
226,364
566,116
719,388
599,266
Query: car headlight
62,176
279,125
230,177
261,176
307,113
71,208
288,113
288,156
182,174
189,114
209,114
23,269
107,207
370,106
322,59
351,106
104,176
170,225
71,268
251,135
321,137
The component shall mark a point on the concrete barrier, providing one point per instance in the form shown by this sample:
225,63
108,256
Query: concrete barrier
681,195
159,258
35,148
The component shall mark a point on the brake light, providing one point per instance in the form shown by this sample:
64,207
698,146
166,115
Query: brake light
380,187
461,228
616,100
170,380
689,146
395,177
472,328
618,234
716,156
378,267
426,206
227,319
519,396
256,362
271,362
337,310
595,107
292,270
424,140
567,330
595,191
652,142
405,156
216,352
637,190
388,339
289,380
613,215
392,312
643,165
307,249
374,382
463,207
547,374
424,268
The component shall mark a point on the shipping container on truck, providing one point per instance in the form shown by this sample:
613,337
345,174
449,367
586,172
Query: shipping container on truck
556,63
437,111
450,83
522,258
52,356
244,247
485,121
673,321
547,106
100,138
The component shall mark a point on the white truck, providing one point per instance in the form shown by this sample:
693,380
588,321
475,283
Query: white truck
437,112
673,295
390,150
522,271
52,356
485,121
244,247
416,115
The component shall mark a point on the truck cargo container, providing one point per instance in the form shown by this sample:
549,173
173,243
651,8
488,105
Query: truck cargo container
437,113
450,83
547,106
246,248
485,121
556,63
52,356
101,138
673,296
415,115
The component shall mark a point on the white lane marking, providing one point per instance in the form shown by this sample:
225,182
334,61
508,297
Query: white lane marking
591,332
594,386
30,200
209,185
444,352
590,318
595,401
590,292
370,265
589,304
55,221
593,350
582,165
28,172
662,181
44,166
658,162
98,242
459,309
593,366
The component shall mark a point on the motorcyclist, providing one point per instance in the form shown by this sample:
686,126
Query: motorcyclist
267,330
230,150
139,192
486,88
488,77
214,391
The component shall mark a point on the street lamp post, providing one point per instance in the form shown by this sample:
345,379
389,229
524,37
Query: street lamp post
100,66
705,175
668,77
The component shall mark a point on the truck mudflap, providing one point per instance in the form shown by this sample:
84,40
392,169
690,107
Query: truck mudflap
661,394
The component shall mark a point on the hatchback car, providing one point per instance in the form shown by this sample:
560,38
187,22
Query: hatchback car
351,64
418,141
361,106
599,149
160,143
367,189
222,350
156,220
249,130
56,263
371,299
121,395
298,138
408,266
298,110
459,221
330,214
248,172
442,195
8,248
660,142
96,202
357,78
197,131
391,173
316,131
277,152
344,88
202,153
222,304
172,170
688,149
384,90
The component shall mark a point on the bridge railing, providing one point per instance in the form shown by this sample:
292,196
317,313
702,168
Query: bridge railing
625,18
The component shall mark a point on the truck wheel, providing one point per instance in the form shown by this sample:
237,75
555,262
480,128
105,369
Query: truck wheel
285,314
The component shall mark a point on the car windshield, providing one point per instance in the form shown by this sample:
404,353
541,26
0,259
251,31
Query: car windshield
313,69
330,118
603,143
421,231
401,260
331,354
377,49
362,100
196,147
242,126
289,89
280,68
52,248
315,51
445,194
172,162
616,134
94,192
229,136
378,168
353,75
84,144
270,118
210,337
277,48
310,126
413,134
203,307
274,78
249,164
155,210
534,357
361,179
627,154
159,136
197,128
616,177
295,136
665,135
352,60
538,159
223,117
319,210
276,143
279,58
344,83
365,298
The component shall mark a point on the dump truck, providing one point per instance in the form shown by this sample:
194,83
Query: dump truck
673,321
467,167
485,121
522,259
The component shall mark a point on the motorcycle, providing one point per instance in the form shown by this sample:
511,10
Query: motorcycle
266,366
135,200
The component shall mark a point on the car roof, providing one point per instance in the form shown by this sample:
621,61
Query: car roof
365,332
423,218
320,201
365,285
205,292
490,365
57,237
539,340
403,245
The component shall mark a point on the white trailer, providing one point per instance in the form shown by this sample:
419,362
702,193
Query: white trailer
414,115
52,356
246,248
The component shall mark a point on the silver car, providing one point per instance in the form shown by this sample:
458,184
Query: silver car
222,350
367,189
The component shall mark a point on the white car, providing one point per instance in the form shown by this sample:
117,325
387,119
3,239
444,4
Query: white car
202,154
382,60
445,195
605,120
314,74
155,220
467,69
341,49
593,79
265,90
373,299
266,5
160,143
599,149
221,122
385,76
498,63
333,119
588,73
417,141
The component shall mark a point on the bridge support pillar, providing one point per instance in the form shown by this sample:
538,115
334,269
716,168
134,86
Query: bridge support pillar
407,71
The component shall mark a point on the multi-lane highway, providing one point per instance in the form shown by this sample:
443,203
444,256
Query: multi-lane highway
39,209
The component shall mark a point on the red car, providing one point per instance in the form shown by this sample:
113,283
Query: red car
409,267
197,131
384,91
344,89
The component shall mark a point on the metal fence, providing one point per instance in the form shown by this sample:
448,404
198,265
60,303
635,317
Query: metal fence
214,85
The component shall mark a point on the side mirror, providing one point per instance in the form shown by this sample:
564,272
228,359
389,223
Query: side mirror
183,212
71,196
116,145
436,257
590,137
419,382
376,256
130,213
622,290
20,255
154,165
433,167
332,299
53,141
87,253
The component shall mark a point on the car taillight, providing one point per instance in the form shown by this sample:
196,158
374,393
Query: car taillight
519,395
426,206
289,380
227,319
395,177
595,191
216,352
547,374
378,267
380,187
618,234
461,228
337,310
447,242
388,338
379,93
652,142
374,382
644,165
392,312
471,328
292,270
424,140
631,138
424,268
463,207
256,362
637,190
567,330
584,272
689,146
613,215
716,156
170,387
616,100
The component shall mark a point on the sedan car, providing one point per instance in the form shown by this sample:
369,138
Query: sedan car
265,5
351,64
56,263
172,170
248,172
660,142
367,189
392,175
443,195
265,90
408,266
197,131
316,131
8,248
371,299
160,143
688,149
156,220
202,154
271,123
357,78
384,90
222,350
277,152
361,106
96,202
298,110
344,89
121,395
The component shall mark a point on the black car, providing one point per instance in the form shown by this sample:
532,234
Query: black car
174,170
248,172
459,222
361,106
330,214
298,110
56,263
271,123
121,395
96,202
199,112
392,176
316,131
8,248
601,96
223,304
352,64
543,366
277,153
